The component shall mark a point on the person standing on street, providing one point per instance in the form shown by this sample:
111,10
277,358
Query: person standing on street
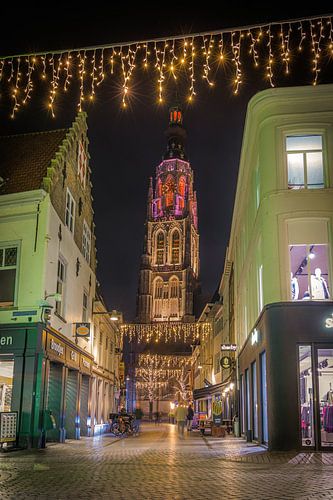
138,414
189,416
180,416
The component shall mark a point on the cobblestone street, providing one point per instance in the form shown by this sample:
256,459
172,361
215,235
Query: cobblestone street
160,465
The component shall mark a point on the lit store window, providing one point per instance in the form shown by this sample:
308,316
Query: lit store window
309,272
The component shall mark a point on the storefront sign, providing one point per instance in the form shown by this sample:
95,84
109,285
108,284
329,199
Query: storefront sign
8,340
229,347
329,322
225,362
254,337
72,357
85,364
82,330
55,347
8,426
217,412
12,340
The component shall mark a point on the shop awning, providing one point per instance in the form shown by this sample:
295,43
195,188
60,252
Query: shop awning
207,392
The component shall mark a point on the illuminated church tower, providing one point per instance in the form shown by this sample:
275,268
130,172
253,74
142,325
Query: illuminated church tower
169,271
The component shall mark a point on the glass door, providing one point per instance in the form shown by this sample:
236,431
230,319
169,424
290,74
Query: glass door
324,362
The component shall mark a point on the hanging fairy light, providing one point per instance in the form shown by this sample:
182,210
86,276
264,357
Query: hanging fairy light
89,67
168,332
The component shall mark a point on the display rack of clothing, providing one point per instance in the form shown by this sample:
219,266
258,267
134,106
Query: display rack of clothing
328,418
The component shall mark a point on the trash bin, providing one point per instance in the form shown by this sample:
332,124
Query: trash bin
249,435
236,427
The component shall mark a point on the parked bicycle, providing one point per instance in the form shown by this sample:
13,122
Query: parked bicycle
123,425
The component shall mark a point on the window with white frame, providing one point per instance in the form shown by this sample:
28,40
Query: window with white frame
82,163
8,273
86,242
305,161
85,303
70,211
61,284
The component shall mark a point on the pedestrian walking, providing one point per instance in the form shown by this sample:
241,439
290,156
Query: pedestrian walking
189,416
180,416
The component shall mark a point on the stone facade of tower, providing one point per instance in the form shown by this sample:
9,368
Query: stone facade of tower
169,271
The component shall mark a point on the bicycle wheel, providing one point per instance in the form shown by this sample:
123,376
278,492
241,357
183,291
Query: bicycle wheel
115,429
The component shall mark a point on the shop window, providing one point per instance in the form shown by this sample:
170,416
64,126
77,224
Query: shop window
6,385
306,395
82,164
70,211
254,400
61,283
325,387
242,401
263,393
8,271
247,399
309,272
305,162
86,242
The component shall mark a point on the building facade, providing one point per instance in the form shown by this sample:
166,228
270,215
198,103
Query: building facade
281,252
48,284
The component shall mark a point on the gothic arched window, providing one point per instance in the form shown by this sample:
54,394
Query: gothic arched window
158,298
181,186
174,295
175,247
159,188
169,189
160,248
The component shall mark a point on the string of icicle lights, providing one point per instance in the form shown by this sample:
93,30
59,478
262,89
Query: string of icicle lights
182,59
163,361
167,332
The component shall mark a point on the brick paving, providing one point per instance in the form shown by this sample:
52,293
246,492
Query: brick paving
159,465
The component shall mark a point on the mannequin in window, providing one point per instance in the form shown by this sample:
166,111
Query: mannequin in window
319,288
294,287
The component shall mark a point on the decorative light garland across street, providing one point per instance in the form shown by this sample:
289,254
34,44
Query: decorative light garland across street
184,59
162,376
167,332
163,361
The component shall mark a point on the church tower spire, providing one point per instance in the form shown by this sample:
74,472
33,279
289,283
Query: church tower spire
169,272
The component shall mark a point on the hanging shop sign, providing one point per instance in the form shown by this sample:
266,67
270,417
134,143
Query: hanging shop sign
229,347
217,412
8,426
226,362
82,330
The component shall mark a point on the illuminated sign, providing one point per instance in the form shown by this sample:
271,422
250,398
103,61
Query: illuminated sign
82,329
329,322
228,347
254,337
225,362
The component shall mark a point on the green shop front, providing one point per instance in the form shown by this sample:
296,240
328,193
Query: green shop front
46,379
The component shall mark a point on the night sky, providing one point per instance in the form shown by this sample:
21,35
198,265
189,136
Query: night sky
127,145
